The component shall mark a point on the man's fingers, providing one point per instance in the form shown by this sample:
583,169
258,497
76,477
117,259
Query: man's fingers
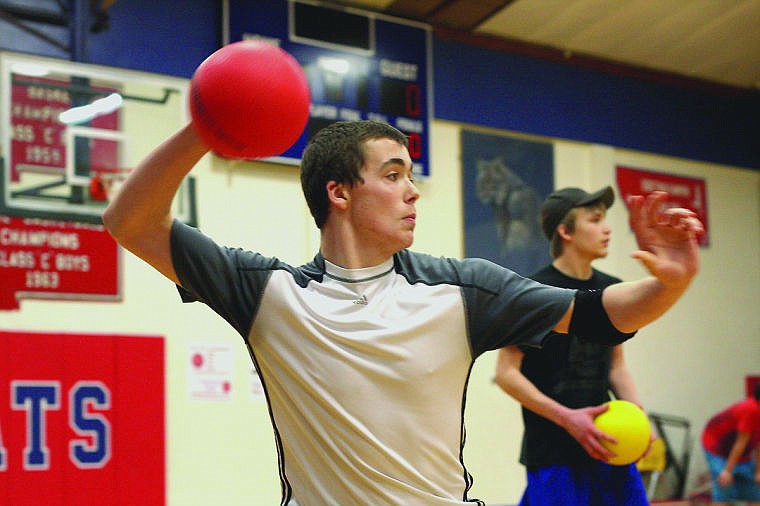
645,257
635,202
598,451
679,217
694,224
653,207
648,211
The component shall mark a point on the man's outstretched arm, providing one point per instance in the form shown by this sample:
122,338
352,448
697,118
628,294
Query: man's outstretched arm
668,249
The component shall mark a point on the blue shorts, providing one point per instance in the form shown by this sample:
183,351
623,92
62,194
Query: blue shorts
595,484
743,488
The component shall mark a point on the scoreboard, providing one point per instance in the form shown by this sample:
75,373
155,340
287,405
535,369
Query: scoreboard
359,65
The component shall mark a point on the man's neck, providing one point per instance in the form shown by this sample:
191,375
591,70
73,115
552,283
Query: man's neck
344,250
573,266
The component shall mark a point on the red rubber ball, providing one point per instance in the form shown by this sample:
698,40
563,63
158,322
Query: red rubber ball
249,100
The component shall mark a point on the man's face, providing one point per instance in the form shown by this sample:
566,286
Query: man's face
591,237
382,207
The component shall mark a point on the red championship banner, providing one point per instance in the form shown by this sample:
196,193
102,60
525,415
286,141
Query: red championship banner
686,192
82,419
55,259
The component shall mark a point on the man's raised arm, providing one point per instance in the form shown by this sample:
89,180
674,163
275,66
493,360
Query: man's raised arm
668,249
139,216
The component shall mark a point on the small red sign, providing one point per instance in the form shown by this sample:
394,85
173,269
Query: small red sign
686,192
56,260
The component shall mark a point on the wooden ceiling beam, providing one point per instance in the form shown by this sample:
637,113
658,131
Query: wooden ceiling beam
418,10
465,14
458,14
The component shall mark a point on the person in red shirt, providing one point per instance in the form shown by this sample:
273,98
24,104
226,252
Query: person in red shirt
731,440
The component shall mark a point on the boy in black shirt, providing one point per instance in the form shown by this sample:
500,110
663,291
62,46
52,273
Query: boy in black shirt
563,384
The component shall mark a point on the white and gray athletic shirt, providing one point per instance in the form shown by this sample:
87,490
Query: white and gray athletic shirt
366,370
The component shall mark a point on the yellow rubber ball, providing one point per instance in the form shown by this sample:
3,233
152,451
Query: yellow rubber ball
627,423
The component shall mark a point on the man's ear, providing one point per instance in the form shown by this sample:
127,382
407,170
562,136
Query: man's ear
338,194
562,232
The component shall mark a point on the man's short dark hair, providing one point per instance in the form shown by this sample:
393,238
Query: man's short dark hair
336,153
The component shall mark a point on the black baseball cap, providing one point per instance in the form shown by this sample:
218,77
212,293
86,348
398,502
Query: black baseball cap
558,204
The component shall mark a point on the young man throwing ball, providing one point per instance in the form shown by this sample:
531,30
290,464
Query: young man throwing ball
365,351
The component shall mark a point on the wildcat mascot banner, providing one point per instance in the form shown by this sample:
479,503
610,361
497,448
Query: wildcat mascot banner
505,181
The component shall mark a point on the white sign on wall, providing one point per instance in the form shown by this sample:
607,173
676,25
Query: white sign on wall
210,370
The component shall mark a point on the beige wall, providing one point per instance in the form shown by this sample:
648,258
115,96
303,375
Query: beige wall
690,363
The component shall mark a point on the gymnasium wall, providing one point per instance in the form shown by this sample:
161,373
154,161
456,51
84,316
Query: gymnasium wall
690,363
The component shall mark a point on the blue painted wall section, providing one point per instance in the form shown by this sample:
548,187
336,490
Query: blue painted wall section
546,98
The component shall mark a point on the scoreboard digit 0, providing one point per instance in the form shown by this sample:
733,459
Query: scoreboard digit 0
360,65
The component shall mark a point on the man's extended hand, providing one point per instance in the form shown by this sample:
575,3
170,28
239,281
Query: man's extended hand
667,238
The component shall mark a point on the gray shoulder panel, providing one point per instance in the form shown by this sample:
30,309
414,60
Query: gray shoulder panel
502,307
230,281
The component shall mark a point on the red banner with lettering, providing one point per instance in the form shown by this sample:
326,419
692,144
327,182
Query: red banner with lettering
55,259
82,419
37,135
686,192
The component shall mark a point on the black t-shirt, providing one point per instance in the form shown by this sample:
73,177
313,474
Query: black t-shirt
572,371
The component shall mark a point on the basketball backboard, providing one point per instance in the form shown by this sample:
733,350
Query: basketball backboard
69,132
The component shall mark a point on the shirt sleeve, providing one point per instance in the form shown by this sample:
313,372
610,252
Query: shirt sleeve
229,281
507,309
